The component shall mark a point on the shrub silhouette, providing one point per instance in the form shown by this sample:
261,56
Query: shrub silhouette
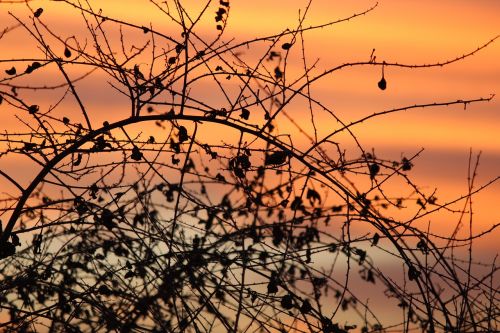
190,212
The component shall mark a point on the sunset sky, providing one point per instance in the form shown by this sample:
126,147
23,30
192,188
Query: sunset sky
406,32
399,31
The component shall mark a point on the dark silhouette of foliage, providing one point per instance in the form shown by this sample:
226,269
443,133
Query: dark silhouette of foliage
191,210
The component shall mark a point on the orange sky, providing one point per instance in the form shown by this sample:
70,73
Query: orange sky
400,31
403,31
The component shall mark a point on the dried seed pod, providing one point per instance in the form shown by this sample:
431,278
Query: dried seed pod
382,84
67,52
38,12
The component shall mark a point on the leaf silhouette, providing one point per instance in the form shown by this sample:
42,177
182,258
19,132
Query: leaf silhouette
37,243
11,71
137,73
7,249
287,302
136,154
179,48
107,218
278,73
104,290
245,114
272,286
313,196
183,134
275,158
297,203
78,160
33,109
32,67
306,307
407,165
374,170
413,274
175,146
175,161
100,143
15,240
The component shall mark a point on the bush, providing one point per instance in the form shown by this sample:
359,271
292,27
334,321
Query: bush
189,206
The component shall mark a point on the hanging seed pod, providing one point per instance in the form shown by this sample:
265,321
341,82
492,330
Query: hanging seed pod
382,84
67,52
